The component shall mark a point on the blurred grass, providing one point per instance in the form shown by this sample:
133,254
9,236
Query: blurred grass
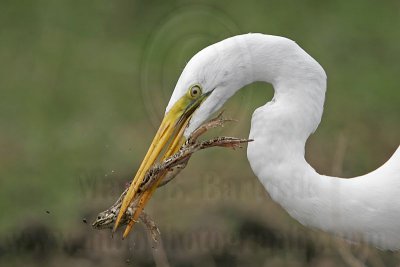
73,108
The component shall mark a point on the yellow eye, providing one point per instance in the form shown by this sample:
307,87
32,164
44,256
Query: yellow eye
195,91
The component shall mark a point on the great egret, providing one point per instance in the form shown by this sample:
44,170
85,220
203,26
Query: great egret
365,207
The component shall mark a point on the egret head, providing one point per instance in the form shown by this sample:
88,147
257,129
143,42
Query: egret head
211,77
218,71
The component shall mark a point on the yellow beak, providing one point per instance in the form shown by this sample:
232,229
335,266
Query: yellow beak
168,140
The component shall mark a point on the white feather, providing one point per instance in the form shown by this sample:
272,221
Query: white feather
365,207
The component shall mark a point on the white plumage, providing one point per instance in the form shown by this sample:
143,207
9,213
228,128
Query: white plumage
362,208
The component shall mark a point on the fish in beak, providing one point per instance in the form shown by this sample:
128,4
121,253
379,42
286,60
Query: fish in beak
166,142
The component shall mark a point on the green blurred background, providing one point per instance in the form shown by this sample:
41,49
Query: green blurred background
84,85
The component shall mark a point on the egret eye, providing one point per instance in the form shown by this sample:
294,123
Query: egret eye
195,91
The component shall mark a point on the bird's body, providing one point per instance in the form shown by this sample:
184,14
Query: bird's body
363,208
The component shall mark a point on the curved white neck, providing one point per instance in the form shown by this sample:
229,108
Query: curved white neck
281,127
280,130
